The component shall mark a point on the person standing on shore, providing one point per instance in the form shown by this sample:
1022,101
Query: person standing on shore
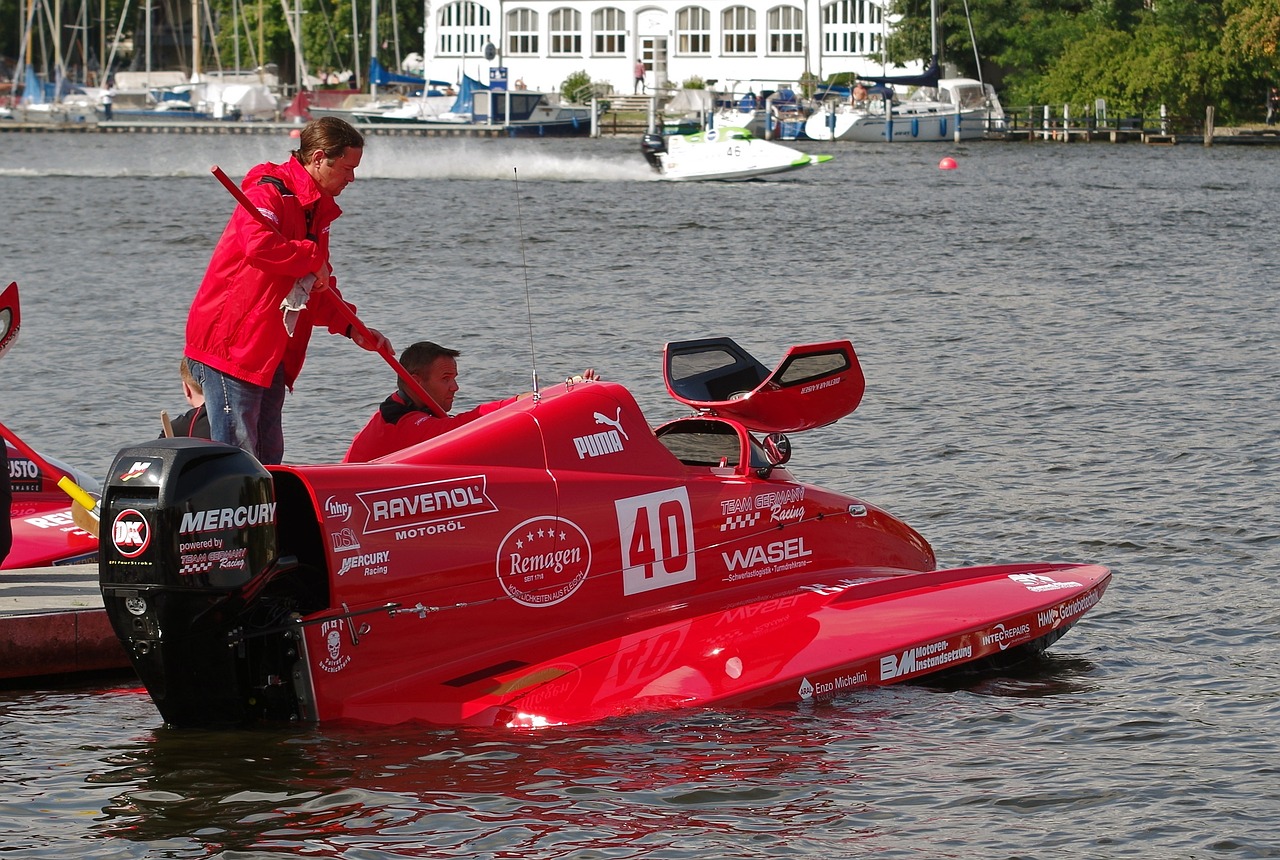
108,98
639,86
264,290
1273,102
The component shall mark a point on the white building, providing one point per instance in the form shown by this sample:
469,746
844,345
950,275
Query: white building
740,44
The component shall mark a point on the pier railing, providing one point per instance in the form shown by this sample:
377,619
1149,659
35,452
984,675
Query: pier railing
1044,122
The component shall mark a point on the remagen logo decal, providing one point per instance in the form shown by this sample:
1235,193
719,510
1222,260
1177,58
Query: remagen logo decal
543,561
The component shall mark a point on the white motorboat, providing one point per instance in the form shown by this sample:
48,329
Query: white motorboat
953,108
721,153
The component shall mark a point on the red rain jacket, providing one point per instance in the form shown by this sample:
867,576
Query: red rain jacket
235,324
395,425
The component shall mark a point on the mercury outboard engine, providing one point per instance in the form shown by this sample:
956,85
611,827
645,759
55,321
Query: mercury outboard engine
187,563
653,146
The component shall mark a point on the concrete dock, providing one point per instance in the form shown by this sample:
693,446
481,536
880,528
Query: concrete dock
52,622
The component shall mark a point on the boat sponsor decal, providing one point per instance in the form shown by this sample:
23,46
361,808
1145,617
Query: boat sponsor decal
922,658
344,539
335,509
780,514
140,468
224,519
745,511
832,588
764,559
130,533
1038,582
408,509
24,475
818,386
739,521
1052,617
1002,636
333,660
606,442
432,529
655,531
61,520
204,554
809,691
543,561
371,563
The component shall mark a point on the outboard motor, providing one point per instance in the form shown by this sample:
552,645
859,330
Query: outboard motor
188,550
653,146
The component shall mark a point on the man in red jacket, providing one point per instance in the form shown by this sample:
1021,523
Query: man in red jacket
402,421
264,290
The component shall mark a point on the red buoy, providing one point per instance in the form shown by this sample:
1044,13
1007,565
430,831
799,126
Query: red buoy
947,163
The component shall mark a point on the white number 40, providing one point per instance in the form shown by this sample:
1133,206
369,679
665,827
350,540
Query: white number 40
656,534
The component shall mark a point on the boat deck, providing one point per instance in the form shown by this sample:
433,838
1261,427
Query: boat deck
52,622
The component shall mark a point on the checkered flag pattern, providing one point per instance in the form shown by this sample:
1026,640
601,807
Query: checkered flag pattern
739,521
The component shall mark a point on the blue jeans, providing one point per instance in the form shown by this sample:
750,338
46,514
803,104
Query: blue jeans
244,414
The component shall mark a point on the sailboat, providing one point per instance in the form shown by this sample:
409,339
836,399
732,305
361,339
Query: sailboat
938,109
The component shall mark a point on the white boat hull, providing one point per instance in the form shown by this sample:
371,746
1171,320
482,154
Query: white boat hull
726,154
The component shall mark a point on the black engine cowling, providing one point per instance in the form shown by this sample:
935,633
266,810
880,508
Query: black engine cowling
653,146
188,548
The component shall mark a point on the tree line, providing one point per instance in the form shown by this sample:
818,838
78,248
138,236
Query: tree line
1136,54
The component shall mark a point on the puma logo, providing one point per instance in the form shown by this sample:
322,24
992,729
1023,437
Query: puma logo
615,422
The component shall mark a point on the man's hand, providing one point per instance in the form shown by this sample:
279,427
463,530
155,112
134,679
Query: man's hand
375,342
324,278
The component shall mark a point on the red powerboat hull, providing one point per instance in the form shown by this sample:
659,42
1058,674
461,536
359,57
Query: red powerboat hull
556,562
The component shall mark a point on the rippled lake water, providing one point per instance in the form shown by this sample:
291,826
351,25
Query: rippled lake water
1070,354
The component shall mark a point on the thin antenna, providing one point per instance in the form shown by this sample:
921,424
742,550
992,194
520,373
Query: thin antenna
528,304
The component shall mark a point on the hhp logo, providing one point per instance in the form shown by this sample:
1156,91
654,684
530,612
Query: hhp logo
130,534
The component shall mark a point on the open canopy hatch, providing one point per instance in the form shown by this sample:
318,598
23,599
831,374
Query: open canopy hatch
814,385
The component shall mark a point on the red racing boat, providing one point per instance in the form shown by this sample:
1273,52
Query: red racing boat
44,528
556,562
41,515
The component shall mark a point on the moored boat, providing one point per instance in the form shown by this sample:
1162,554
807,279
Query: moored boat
517,112
557,561
949,109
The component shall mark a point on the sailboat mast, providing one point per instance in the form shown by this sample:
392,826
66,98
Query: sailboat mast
933,28
195,40
355,42
373,43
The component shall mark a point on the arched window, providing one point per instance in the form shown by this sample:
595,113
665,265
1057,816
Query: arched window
608,32
852,27
465,28
522,32
786,30
693,31
564,29
739,26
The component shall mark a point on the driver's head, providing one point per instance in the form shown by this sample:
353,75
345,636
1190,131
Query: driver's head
434,366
